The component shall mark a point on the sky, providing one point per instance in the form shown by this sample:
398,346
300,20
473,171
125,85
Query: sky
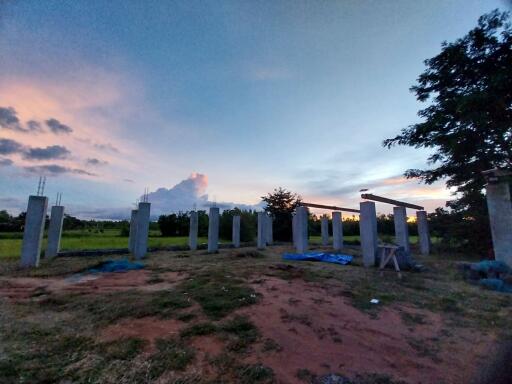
215,102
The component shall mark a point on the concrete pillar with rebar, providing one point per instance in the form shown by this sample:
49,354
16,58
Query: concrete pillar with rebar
302,229
236,231
142,233
269,229
500,213
133,231
33,231
193,230
324,230
401,228
55,231
368,232
213,230
423,232
337,231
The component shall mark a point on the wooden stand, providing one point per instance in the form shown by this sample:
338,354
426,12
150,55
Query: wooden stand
387,253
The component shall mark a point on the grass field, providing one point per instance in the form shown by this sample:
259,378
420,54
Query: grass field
10,243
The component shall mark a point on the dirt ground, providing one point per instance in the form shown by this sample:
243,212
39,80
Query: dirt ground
246,316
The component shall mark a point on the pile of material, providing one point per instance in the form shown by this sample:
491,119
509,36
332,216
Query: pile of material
491,274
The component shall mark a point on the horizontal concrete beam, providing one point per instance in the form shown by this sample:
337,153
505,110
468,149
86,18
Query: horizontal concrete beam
331,207
369,196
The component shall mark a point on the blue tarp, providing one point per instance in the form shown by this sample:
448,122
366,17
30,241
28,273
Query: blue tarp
487,266
496,285
116,266
319,256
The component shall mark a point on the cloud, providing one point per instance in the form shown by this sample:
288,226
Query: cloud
49,153
34,126
187,195
4,162
128,180
8,146
9,119
57,127
95,162
55,169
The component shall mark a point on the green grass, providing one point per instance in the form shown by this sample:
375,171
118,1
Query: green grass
10,243
218,293
172,354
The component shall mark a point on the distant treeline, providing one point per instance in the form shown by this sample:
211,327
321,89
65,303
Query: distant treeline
177,224
445,226
9,223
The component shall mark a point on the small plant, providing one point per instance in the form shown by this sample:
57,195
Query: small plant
171,355
256,373
219,294
199,329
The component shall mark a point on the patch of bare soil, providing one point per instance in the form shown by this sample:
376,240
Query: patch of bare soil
25,287
319,330
147,328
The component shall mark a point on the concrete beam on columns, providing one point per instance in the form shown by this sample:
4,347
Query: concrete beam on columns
133,231
368,232
141,242
401,228
324,229
55,231
262,233
33,232
193,230
337,231
213,230
499,205
302,229
423,233
236,231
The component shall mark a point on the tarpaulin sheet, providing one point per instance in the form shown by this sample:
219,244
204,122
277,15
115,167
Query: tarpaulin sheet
319,256
116,266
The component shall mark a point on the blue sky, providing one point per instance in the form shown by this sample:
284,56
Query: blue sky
251,95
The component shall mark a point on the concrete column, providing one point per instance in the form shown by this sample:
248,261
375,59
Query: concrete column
33,232
294,229
236,231
368,232
401,228
133,231
324,227
141,242
500,217
213,230
55,231
193,230
302,229
423,233
269,230
337,231
262,233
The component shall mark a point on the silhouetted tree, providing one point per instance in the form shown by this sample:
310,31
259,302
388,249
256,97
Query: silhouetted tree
468,121
281,204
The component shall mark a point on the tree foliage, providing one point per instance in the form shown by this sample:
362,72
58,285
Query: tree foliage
280,204
468,122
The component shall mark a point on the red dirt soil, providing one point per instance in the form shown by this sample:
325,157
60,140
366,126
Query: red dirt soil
315,326
319,331
26,287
